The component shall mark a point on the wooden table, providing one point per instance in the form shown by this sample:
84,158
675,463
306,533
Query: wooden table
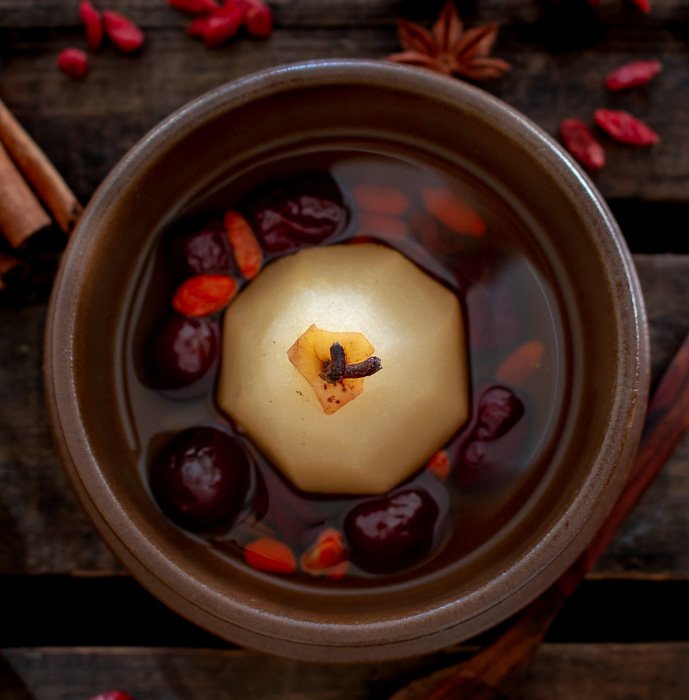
72,623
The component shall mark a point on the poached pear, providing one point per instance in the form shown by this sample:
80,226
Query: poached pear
367,298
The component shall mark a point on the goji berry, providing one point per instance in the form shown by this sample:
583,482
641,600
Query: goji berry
123,33
269,554
216,29
643,5
93,23
452,211
338,571
581,143
327,555
245,246
380,199
520,364
625,128
73,62
203,295
231,7
378,225
194,7
197,27
258,19
632,75
439,465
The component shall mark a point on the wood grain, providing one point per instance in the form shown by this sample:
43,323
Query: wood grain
560,51
94,122
563,671
157,13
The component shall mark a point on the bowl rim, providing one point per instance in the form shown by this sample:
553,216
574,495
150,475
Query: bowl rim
397,637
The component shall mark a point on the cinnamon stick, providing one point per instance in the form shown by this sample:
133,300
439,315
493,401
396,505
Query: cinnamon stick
496,671
39,171
11,270
21,214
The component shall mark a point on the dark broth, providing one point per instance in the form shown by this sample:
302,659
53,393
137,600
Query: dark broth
508,296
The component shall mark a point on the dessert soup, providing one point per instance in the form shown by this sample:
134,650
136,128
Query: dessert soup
497,356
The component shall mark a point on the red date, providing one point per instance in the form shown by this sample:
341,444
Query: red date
196,249
184,353
498,410
293,215
391,532
201,478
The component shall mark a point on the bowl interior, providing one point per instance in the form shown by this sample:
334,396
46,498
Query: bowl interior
299,107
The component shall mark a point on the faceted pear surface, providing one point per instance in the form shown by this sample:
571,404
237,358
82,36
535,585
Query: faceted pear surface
406,412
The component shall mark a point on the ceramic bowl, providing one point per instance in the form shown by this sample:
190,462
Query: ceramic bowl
193,150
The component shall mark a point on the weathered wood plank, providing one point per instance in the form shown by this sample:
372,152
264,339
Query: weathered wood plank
91,124
304,13
566,672
42,530
152,674
658,671
87,126
156,13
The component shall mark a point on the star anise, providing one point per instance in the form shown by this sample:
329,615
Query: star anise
450,49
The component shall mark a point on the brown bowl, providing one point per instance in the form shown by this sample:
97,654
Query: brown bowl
191,152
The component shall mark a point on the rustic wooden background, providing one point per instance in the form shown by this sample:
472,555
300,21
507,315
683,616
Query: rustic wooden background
72,623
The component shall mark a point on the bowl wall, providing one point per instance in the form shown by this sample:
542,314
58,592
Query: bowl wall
292,107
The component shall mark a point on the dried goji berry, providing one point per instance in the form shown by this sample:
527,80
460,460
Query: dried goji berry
643,5
197,27
217,29
380,226
626,128
245,246
215,24
194,7
123,33
231,8
520,364
452,211
203,295
581,143
113,695
93,23
258,19
338,571
327,555
269,554
632,75
439,464
380,199
73,62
